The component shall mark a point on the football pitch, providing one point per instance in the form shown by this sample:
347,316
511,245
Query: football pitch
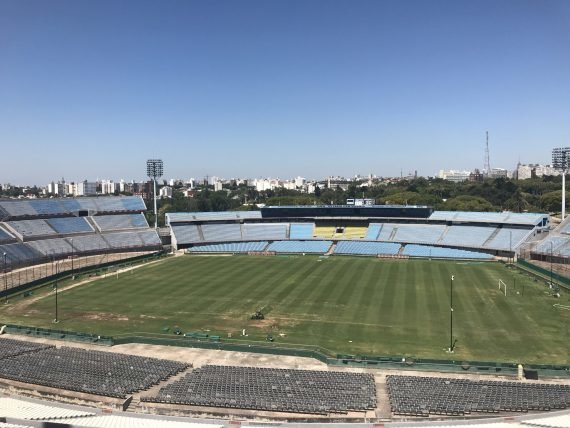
348,305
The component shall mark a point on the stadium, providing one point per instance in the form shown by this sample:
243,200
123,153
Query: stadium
377,314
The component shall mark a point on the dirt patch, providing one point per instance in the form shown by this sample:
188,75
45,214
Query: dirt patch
98,316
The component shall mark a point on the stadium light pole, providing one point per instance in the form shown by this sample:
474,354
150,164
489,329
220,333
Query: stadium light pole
5,281
154,170
71,242
56,309
451,313
551,254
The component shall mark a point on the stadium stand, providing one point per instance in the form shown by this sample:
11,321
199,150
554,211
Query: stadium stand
211,216
279,390
31,228
316,247
123,240
11,347
386,232
423,396
89,243
367,248
552,243
301,230
354,232
489,217
6,237
187,234
507,238
70,225
221,232
107,223
466,236
55,247
25,209
265,231
233,247
373,231
413,250
324,232
149,238
421,233
19,253
95,372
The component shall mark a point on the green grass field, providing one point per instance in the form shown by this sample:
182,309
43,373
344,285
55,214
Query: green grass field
344,304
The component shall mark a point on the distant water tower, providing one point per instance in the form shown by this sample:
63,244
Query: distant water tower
154,170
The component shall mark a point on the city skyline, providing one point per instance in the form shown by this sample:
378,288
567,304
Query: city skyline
279,89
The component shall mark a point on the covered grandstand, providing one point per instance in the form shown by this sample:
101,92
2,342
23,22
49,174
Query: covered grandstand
374,230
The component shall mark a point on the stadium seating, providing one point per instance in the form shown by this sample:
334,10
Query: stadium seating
123,240
354,232
19,254
488,217
221,232
424,396
11,347
6,237
420,233
301,230
149,238
316,247
413,250
466,236
373,231
278,390
187,234
324,232
552,244
70,225
107,223
31,228
265,231
52,247
94,372
212,216
232,247
386,232
367,248
89,244
508,238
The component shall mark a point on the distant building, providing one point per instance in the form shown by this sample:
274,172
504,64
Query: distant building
524,172
498,173
109,187
86,188
453,175
165,192
360,202
476,176
217,186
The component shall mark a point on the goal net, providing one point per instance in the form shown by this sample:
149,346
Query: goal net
503,287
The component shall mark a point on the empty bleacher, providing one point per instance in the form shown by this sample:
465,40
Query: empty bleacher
89,244
211,216
324,232
265,231
70,225
530,219
301,230
94,372
187,234
11,347
124,240
271,389
552,244
373,231
386,232
231,247
421,233
107,223
425,396
508,238
354,232
315,247
149,238
367,248
20,254
413,250
52,247
31,228
466,236
221,232
6,237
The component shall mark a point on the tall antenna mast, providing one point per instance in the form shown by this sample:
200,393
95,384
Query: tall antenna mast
487,167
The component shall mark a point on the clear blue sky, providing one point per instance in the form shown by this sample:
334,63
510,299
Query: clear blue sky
91,89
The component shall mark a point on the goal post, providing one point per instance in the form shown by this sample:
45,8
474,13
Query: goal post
503,287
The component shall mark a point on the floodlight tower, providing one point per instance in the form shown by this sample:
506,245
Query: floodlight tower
154,170
560,162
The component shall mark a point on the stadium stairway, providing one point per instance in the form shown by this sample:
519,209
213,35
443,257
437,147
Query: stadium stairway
443,235
331,249
492,236
136,407
200,232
